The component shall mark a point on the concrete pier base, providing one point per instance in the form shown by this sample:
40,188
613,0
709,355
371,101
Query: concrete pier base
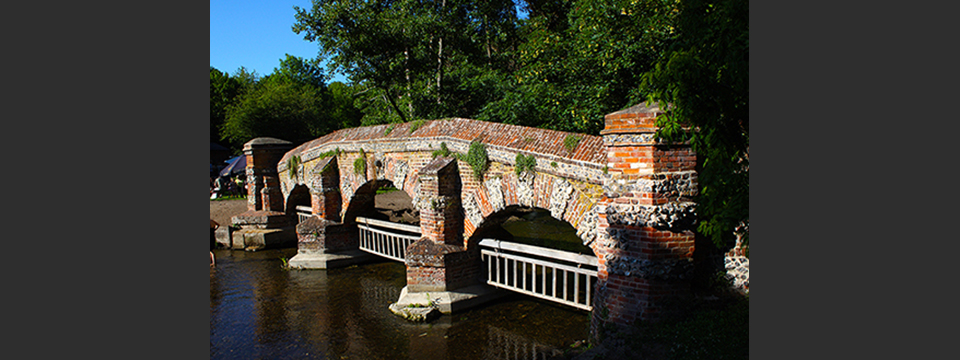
256,239
330,260
449,301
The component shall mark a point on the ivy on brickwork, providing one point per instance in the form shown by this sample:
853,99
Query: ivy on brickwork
416,124
525,164
360,164
442,152
292,165
477,158
334,152
571,142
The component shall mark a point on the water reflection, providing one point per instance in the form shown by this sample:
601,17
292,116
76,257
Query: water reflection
258,310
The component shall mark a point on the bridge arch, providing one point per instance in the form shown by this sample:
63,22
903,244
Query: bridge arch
298,196
365,198
531,226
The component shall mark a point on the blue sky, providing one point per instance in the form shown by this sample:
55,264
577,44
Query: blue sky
256,34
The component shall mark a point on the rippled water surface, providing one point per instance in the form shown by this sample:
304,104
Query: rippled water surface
258,310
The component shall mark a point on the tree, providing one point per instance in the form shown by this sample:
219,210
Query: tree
223,91
579,60
412,59
704,77
288,104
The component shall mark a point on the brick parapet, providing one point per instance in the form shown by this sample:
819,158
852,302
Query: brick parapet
503,142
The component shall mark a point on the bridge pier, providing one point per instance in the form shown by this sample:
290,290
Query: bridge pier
440,269
323,242
646,223
264,224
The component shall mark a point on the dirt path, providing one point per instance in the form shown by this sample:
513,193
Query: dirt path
222,211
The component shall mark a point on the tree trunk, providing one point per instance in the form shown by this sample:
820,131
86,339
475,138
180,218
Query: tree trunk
443,4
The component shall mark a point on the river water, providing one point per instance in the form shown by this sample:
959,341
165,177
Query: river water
258,310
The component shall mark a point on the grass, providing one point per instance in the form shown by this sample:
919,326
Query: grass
386,189
229,197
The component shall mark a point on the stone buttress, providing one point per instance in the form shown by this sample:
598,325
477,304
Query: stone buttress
646,240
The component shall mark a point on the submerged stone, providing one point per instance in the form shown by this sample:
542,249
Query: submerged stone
415,313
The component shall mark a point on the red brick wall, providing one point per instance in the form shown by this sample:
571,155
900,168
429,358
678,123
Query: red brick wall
643,267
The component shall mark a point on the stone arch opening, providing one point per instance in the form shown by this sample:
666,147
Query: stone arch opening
531,226
299,195
540,272
379,199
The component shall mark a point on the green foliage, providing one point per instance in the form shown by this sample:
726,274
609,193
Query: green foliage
705,79
442,152
553,163
578,61
223,91
292,103
334,152
414,59
525,164
283,105
416,124
387,189
292,165
230,197
477,158
389,129
571,141
360,164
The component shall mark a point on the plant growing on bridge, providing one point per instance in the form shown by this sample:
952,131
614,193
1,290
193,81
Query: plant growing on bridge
334,152
571,141
443,151
525,164
477,158
389,129
360,164
292,165
416,124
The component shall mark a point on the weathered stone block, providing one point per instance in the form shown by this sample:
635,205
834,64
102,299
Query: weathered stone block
261,219
257,239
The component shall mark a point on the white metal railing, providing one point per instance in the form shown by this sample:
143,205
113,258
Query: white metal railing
303,213
503,344
376,238
564,277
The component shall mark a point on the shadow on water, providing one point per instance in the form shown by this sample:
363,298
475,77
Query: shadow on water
259,310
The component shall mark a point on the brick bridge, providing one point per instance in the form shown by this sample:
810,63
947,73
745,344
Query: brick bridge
627,195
